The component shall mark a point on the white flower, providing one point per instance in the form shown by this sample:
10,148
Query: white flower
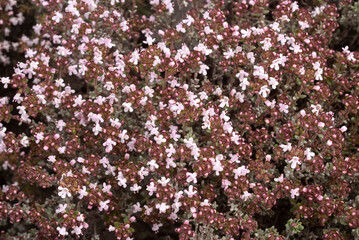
246,195
39,137
162,207
127,107
294,193
151,188
109,145
273,82
156,227
62,51
279,179
5,81
123,136
160,139
189,20
78,101
244,83
294,161
82,192
61,208
25,141
171,150
283,108
266,44
316,108
64,192
57,17
190,191
217,166
106,188
343,129
264,91
164,181
103,205
309,154
203,69
62,231
137,207
303,25
77,230
191,177
135,188
246,33
135,56
287,147
51,159
241,171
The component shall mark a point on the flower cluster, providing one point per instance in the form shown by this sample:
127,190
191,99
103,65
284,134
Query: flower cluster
203,117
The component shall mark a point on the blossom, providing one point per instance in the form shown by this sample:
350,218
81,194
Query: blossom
151,188
62,51
127,107
279,179
77,230
189,20
203,69
164,181
51,159
137,208
156,226
78,101
191,177
266,44
190,191
273,82
246,195
135,56
62,231
64,192
287,147
5,81
83,192
61,208
57,17
109,145
316,108
264,91
60,125
153,165
106,188
294,162
294,193
283,108
135,188
309,154
171,150
103,205
241,171
123,136
160,139
162,207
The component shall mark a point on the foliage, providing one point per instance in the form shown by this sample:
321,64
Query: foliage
200,119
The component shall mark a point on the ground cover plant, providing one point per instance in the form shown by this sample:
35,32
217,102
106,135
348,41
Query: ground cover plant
169,119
